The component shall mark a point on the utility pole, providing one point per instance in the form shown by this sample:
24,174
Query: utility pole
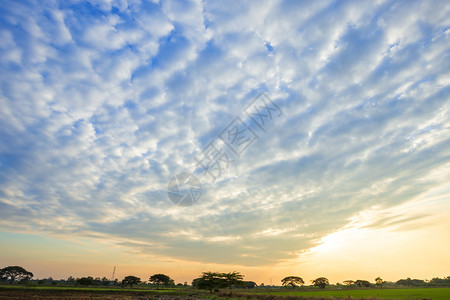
114,272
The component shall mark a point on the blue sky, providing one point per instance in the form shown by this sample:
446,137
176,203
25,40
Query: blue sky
103,102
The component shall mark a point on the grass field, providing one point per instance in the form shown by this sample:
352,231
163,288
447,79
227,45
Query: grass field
72,293
42,292
410,293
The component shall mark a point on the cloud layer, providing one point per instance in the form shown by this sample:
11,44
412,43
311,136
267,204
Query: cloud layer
103,102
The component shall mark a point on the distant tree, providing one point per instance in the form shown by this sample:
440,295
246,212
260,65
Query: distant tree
131,280
411,282
50,281
292,281
249,284
70,280
440,281
321,282
195,282
208,281
160,279
379,281
231,279
348,282
85,280
97,281
362,283
13,273
105,281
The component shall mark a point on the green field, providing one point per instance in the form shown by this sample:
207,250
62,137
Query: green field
46,292
409,293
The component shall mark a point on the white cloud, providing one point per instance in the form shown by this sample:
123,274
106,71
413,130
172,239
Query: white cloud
103,102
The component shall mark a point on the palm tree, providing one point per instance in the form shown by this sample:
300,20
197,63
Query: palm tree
379,281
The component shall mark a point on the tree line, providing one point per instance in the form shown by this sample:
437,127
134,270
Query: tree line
211,281
323,282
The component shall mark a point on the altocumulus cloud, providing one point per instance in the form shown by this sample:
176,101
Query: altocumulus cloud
102,102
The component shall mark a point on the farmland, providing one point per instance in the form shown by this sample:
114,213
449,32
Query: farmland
22,292
405,293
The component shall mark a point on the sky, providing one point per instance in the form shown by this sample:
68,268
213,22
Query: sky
309,138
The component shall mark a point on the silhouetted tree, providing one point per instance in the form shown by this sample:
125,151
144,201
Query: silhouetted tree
231,279
97,281
131,280
349,282
13,273
105,281
440,281
195,282
379,281
208,281
160,279
411,282
249,284
292,281
85,280
362,283
70,280
321,282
